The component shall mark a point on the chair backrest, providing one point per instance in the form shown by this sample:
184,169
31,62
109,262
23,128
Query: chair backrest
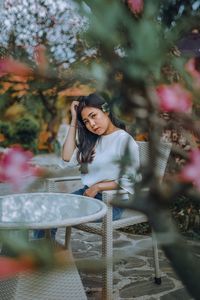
160,162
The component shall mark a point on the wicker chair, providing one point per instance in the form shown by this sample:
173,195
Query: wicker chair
129,217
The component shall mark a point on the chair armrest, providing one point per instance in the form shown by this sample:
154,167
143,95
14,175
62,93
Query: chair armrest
60,179
110,195
51,182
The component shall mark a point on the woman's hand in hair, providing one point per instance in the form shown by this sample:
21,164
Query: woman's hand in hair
73,108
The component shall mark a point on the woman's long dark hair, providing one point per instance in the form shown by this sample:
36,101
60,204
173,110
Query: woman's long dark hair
87,139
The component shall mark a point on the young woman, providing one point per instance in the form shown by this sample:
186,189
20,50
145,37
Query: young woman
97,141
101,145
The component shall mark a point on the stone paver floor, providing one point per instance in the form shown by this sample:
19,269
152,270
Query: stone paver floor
133,269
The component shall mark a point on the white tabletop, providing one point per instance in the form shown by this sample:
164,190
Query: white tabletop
47,210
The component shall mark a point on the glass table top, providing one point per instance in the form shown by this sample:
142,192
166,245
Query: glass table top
46,210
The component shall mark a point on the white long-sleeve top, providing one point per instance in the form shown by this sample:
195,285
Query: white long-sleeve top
109,150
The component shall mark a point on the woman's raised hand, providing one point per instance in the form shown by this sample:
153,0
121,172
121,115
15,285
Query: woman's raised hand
70,141
73,108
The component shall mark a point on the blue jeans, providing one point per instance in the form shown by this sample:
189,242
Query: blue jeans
117,212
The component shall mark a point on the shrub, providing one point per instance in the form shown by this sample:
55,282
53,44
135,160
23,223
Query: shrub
6,131
25,132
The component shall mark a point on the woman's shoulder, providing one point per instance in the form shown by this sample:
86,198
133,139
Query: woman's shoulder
125,135
124,138
120,136
122,133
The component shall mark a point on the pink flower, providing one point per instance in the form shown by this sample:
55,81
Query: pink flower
10,267
11,66
136,6
191,69
15,167
174,98
191,172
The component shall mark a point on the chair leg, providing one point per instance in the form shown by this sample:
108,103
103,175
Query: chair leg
67,238
156,260
107,253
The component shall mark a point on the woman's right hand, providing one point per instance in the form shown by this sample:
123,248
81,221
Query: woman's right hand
73,108
70,141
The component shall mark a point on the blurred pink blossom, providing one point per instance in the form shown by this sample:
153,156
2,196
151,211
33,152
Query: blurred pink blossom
174,98
191,172
191,69
136,6
12,66
15,167
9,267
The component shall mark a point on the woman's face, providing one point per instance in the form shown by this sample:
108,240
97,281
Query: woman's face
96,120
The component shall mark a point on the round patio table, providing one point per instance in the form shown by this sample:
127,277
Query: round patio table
45,211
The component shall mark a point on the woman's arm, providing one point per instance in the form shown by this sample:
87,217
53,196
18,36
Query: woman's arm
101,186
70,141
